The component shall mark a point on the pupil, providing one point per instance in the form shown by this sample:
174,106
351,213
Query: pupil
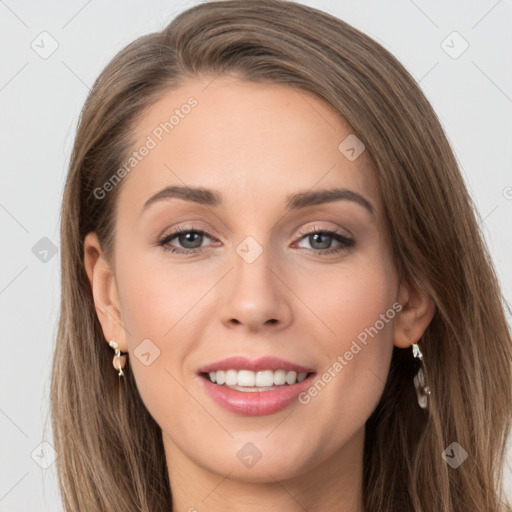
316,236
185,238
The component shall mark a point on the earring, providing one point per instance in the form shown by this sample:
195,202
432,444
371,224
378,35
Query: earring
118,358
422,391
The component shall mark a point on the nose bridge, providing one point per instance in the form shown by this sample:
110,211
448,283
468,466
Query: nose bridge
253,269
253,262
255,295
253,258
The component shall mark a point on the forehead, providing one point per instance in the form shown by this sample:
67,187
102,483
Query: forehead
250,139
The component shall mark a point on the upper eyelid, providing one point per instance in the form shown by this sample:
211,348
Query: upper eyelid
313,229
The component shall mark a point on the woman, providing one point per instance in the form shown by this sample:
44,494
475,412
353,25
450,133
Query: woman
265,232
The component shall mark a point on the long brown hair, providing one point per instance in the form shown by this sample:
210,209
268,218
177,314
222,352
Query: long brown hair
110,449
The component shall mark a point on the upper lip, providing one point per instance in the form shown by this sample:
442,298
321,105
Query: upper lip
260,364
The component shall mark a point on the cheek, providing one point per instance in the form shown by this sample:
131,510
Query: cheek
343,301
163,316
355,337
156,299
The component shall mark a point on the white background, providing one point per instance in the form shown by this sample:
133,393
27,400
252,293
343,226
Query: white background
40,100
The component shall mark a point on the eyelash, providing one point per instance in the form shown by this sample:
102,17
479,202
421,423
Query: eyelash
163,241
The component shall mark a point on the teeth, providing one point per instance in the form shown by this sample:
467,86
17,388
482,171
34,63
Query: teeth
279,377
261,379
291,377
231,378
264,379
246,378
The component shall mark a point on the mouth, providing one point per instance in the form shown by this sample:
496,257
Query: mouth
252,388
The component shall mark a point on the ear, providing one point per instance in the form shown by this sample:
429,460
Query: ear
417,311
104,291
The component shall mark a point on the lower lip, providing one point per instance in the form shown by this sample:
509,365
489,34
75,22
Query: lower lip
257,403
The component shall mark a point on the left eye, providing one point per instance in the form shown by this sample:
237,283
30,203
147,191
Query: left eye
322,239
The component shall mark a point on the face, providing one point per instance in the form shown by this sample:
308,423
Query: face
262,269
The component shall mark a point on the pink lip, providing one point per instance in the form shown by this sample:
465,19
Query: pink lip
263,363
257,403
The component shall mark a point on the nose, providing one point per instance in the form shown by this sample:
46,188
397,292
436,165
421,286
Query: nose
255,296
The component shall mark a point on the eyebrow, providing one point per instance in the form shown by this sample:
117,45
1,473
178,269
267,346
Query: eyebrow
294,201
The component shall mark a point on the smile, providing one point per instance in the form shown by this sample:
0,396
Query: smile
255,387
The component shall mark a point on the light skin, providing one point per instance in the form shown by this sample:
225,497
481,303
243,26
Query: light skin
255,144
